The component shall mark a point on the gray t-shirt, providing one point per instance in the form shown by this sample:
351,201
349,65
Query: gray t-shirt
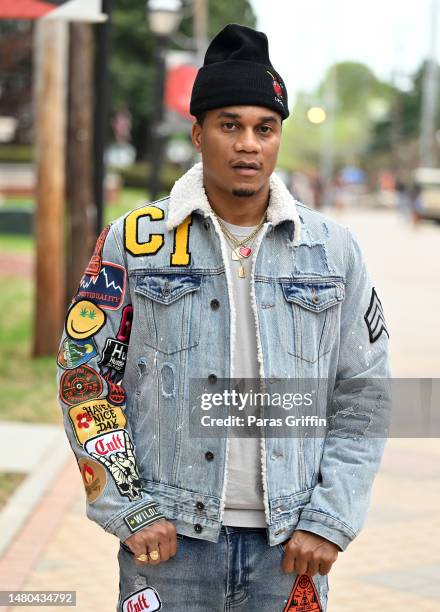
244,491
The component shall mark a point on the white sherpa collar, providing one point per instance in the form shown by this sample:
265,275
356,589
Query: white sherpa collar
188,194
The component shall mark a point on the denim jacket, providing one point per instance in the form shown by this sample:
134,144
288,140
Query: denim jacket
154,309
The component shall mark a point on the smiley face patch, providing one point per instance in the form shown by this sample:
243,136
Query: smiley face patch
84,320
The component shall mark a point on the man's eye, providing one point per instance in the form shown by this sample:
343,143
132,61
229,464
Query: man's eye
265,129
229,125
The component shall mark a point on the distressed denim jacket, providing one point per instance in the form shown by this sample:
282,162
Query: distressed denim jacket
154,309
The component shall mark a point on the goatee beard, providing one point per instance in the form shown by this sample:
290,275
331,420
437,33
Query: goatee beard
243,193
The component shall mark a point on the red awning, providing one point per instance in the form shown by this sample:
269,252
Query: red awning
24,9
178,87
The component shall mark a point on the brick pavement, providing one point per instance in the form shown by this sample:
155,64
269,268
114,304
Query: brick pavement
13,265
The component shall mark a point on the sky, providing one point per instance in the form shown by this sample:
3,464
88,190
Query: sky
307,36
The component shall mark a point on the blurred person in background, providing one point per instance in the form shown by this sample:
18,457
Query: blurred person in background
415,199
403,203
226,277
302,189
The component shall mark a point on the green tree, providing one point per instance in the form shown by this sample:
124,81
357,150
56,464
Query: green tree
356,91
131,66
403,122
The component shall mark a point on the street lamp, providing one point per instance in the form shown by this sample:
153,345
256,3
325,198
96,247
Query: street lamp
164,17
316,115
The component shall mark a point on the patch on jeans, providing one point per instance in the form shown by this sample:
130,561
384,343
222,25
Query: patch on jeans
375,319
304,596
146,599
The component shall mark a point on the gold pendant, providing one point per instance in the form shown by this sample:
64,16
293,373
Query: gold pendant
241,272
234,255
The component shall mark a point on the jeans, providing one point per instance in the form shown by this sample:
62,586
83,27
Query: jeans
240,572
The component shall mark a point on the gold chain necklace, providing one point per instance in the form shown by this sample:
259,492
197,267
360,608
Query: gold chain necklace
239,249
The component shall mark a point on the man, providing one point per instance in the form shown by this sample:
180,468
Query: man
228,277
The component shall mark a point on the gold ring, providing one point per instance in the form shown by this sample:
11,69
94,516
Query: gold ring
154,555
142,557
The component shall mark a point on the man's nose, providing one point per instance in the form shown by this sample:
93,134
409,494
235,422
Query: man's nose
247,141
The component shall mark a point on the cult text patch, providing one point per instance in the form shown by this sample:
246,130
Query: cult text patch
146,599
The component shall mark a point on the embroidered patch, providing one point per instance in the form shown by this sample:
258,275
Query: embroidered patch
74,353
277,87
95,263
115,451
132,243
94,478
114,357
125,324
374,318
95,417
142,516
116,392
80,385
84,319
106,289
146,599
303,597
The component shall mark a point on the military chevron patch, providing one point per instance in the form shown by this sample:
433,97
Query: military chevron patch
374,318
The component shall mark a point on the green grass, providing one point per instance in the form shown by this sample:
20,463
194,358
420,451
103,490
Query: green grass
8,484
28,389
13,244
17,201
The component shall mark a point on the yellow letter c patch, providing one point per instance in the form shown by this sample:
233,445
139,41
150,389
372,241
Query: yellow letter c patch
131,240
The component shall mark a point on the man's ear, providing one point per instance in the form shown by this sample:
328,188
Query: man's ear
196,136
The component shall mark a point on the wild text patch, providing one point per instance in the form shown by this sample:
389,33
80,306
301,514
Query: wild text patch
374,318
142,516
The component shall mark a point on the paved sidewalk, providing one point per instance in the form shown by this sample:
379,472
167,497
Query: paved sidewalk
37,451
17,265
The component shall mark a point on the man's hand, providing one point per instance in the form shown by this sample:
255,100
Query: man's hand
160,536
308,553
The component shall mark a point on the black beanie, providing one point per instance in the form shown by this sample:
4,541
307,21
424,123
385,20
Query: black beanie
237,70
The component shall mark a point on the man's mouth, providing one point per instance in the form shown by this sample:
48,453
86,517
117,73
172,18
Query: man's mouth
246,168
